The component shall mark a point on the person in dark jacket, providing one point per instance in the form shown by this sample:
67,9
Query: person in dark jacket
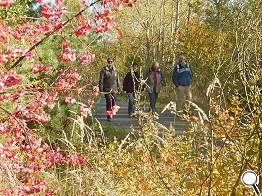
182,79
131,85
155,80
109,85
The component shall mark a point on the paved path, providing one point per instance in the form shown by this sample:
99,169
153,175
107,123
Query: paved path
122,119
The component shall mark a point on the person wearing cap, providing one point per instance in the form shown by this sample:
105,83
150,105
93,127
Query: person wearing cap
182,79
131,85
155,80
109,85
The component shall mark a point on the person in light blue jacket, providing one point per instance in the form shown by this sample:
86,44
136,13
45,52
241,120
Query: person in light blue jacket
182,79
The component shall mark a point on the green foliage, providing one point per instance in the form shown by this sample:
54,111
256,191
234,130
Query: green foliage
133,59
215,151
122,97
113,132
21,8
60,125
212,153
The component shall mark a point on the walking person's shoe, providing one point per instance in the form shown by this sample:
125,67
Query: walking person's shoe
108,118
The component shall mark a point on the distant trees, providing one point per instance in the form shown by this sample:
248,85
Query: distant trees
207,32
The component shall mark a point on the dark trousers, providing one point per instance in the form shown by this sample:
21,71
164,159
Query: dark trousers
131,103
110,101
153,98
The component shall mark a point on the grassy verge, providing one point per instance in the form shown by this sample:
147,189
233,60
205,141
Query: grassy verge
113,132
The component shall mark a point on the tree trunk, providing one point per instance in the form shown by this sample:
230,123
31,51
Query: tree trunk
160,32
189,11
176,28
172,32
148,35
163,34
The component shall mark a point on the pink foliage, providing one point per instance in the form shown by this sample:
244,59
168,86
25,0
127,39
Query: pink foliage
23,151
68,54
95,91
83,30
113,111
67,80
86,59
70,100
90,103
40,68
6,3
83,111
8,79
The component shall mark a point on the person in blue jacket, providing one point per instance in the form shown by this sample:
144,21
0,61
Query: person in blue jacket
182,79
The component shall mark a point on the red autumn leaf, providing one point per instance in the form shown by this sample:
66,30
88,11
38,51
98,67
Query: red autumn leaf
82,20
119,32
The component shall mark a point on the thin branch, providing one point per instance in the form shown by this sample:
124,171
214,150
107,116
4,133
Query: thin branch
51,33
155,168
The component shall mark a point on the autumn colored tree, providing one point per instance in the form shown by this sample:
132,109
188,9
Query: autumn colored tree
50,63
29,95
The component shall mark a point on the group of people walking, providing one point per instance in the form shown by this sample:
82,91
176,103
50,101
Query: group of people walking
152,81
